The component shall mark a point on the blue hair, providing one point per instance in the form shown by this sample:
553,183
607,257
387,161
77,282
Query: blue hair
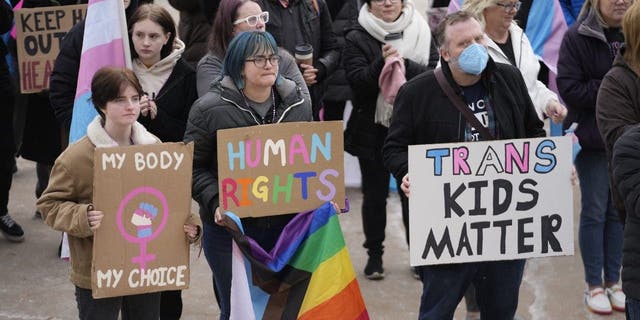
243,46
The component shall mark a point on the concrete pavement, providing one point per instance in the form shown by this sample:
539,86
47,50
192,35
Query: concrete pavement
34,282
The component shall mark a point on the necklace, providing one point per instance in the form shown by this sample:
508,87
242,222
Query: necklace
272,109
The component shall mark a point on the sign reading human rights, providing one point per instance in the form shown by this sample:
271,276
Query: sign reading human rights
39,32
280,168
145,194
487,201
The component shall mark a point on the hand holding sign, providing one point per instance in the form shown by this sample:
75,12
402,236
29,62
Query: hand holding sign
94,217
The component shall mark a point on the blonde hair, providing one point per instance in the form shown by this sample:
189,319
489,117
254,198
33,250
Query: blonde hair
476,8
631,31
595,6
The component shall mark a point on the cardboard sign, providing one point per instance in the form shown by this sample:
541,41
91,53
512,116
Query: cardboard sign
145,194
485,201
39,32
281,168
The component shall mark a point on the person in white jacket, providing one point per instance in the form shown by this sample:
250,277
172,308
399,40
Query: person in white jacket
508,44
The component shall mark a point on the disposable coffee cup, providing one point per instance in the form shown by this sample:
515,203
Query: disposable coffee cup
304,54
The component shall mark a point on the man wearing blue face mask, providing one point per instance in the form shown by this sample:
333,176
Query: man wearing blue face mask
470,98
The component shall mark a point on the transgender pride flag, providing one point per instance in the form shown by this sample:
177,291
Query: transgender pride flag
105,43
545,28
307,275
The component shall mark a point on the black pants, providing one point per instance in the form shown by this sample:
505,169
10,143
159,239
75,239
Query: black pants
135,307
375,190
170,305
334,110
7,144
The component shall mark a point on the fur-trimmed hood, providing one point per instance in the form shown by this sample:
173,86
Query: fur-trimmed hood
101,139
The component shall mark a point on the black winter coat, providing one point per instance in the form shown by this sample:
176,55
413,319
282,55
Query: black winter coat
617,109
174,101
584,59
337,85
193,29
423,114
626,171
363,63
301,23
7,145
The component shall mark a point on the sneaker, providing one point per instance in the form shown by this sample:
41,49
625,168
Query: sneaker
373,270
616,297
10,229
597,301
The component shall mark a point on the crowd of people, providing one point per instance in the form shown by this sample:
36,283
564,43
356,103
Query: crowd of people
239,63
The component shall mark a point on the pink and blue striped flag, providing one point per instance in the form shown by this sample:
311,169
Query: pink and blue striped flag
105,43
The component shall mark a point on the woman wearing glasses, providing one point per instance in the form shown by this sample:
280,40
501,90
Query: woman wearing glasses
586,55
232,18
386,30
508,44
251,93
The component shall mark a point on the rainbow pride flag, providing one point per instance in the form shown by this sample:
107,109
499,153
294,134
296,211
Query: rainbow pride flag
307,275
105,43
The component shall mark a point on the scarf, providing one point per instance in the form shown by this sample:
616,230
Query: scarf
415,44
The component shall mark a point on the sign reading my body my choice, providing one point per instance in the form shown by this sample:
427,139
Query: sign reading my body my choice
496,200
145,194
39,32
280,168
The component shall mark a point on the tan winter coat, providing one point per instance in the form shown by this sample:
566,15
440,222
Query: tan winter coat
65,202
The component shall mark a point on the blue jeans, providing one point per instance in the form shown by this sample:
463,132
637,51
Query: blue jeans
497,287
600,234
632,309
216,244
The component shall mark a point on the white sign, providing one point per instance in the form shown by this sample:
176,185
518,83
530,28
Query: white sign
487,201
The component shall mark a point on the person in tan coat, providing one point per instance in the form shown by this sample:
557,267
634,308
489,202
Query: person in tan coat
66,203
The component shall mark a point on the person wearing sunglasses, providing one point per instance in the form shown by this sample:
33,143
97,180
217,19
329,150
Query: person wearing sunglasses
251,93
232,18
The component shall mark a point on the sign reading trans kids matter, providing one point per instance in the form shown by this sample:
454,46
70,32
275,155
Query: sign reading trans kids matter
145,194
487,201
280,168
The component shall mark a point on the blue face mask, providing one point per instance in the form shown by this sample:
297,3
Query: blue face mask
473,59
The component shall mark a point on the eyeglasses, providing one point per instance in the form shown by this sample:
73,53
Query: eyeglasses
510,6
261,61
252,21
383,1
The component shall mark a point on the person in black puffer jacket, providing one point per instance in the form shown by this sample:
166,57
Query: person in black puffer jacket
193,29
293,22
338,90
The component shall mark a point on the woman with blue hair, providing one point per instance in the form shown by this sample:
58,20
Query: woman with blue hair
251,93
